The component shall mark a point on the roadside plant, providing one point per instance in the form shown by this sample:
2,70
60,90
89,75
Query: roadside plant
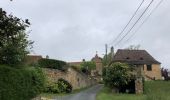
117,75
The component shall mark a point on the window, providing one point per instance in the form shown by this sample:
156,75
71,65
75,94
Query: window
141,58
127,58
149,67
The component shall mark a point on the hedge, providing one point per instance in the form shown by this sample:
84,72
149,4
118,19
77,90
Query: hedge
20,84
51,63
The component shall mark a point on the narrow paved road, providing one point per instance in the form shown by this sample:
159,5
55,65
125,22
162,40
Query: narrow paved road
89,94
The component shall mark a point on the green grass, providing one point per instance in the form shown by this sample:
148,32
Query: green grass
157,90
105,94
154,90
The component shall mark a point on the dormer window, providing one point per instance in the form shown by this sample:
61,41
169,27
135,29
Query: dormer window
127,58
141,58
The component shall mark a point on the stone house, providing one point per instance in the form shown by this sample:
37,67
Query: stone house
144,63
98,62
99,65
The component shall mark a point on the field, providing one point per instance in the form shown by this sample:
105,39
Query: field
153,90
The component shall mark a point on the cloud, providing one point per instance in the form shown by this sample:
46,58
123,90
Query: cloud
71,30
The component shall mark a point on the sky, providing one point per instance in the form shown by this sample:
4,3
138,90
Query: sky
72,30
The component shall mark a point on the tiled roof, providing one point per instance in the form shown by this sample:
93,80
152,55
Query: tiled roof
32,58
134,57
97,59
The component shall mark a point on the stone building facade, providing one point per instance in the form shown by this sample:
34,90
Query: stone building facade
145,64
99,65
98,62
146,67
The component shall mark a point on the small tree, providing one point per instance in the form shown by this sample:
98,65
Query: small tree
164,73
87,66
117,75
134,47
14,43
107,60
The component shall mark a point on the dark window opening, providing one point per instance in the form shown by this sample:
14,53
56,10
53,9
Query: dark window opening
129,88
149,67
141,58
127,58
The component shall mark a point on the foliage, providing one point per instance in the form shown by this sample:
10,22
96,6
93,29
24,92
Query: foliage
87,66
157,90
67,87
62,86
14,43
164,73
116,75
51,63
107,94
20,84
153,90
107,61
77,68
134,47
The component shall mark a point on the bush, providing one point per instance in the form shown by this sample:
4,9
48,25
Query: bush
68,88
52,87
51,63
20,84
117,75
62,86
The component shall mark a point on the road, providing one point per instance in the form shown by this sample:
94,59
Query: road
89,94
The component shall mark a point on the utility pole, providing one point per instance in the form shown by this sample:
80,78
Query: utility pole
112,52
106,52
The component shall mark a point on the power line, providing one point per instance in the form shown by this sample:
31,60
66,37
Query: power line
128,21
145,20
134,24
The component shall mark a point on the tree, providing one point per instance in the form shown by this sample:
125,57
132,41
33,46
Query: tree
164,73
117,75
87,66
14,43
107,60
134,47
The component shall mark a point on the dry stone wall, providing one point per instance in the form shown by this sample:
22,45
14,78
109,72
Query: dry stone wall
76,79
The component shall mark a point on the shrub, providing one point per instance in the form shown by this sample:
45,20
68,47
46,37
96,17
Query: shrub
52,87
20,84
51,63
117,75
68,87
62,86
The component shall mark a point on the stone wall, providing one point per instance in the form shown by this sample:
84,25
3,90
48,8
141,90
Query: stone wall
139,86
76,79
155,73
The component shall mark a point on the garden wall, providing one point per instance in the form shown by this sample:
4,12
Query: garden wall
76,79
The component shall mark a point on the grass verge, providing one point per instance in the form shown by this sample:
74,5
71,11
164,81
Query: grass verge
106,94
153,90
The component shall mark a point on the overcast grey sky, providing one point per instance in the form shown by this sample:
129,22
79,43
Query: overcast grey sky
71,30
